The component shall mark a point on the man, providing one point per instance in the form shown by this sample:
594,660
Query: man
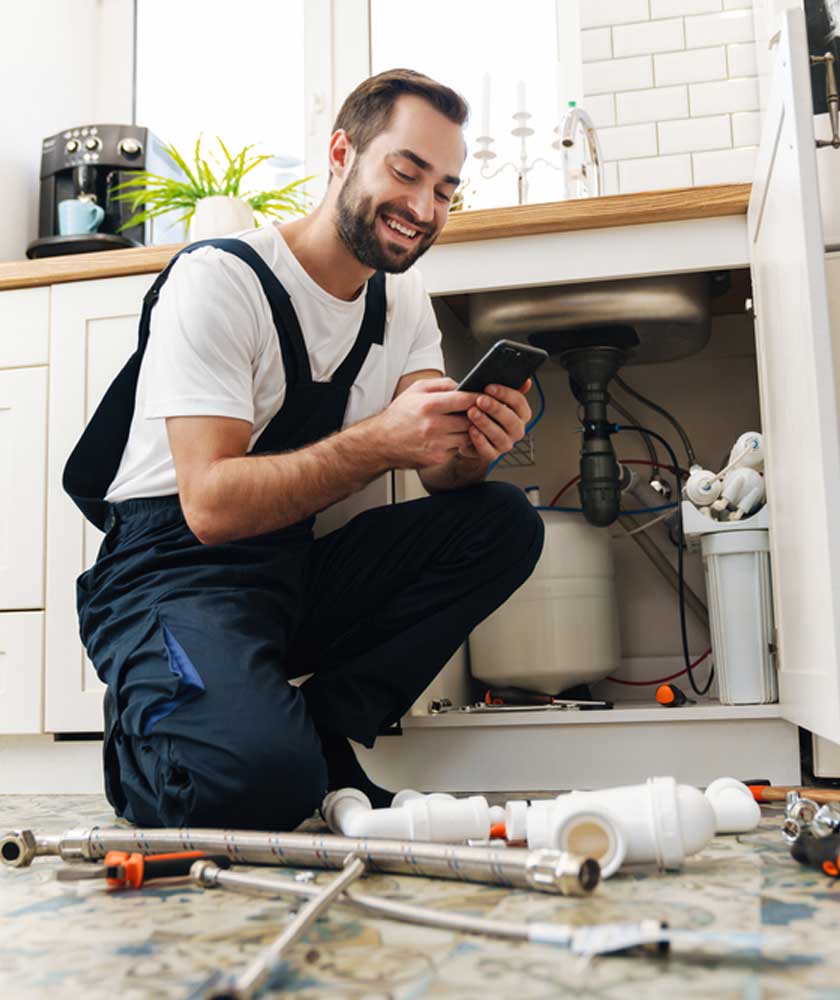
276,374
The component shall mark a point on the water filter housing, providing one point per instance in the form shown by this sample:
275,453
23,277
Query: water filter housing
561,627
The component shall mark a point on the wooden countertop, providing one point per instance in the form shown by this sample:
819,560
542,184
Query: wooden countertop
463,227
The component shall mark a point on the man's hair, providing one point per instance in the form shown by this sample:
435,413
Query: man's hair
367,110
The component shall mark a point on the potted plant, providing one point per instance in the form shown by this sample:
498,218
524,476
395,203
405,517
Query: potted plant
212,205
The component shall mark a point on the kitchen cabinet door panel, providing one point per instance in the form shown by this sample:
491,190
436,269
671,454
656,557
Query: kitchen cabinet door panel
92,333
21,671
23,456
796,368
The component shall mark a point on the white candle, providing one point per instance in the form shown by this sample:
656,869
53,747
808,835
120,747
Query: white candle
485,105
520,96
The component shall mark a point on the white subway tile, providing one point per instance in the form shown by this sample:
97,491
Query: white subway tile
595,44
694,134
691,66
601,109
727,166
655,173
677,8
649,36
651,105
597,13
610,75
741,59
719,29
746,128
737,4
610,178
721,96
628,141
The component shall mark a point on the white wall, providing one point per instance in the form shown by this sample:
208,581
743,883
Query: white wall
671,85
62,63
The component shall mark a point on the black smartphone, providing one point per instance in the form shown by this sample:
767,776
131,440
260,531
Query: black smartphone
506,363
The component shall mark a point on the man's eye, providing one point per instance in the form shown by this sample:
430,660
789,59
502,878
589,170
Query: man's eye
443,196
402,176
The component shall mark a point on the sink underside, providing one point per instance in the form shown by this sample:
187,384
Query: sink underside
670,314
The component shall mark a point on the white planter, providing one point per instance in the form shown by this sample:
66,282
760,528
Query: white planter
220,215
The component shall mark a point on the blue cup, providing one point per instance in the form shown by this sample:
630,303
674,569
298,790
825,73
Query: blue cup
77,217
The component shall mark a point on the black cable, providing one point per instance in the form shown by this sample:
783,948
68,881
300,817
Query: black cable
654,458
680,569
692,459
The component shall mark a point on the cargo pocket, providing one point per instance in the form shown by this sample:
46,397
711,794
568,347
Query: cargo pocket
185,683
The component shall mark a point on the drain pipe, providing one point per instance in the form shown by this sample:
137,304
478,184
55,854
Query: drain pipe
659,822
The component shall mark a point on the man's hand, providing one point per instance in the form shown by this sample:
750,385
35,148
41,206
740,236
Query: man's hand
426,425
497,421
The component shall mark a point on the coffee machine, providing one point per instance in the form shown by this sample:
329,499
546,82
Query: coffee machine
85,164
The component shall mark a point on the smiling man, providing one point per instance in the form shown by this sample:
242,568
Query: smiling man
277,373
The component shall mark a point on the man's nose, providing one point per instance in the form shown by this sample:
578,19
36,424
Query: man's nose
422,205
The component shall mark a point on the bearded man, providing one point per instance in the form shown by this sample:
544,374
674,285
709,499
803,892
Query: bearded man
277,372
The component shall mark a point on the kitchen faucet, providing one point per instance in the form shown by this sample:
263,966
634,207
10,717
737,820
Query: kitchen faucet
574,120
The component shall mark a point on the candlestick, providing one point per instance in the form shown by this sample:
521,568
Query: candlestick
520,97
485,105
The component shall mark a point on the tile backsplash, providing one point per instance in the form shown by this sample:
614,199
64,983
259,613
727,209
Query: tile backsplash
672,88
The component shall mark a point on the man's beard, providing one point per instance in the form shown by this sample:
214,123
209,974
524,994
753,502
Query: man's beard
356,225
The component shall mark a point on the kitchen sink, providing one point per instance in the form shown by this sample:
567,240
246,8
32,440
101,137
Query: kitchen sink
671,314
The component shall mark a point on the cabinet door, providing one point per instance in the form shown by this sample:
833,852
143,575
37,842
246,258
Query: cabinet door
796,369
21,669
93,331
23,456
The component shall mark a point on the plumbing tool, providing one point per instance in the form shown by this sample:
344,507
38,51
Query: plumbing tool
671,696
442,705
545,870
206,873
122,869
249,983
813,833
779,793
519,696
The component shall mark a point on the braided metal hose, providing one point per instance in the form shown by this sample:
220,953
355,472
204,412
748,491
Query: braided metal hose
545,870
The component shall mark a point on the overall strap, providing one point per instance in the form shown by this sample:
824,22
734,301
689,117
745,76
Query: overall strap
292,346
372,331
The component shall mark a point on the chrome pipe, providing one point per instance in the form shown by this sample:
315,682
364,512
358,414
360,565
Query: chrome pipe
208,874
514,867
249,983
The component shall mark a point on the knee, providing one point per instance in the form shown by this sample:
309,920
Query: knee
258,780
512,524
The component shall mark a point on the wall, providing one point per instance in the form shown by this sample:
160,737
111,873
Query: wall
61,64
672,88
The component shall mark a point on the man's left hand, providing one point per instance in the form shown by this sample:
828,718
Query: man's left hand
497,421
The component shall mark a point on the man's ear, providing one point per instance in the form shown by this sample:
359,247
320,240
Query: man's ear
340,153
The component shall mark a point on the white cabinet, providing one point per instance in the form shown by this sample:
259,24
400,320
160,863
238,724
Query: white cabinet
93,331
21,670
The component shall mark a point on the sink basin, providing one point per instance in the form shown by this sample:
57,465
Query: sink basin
670,314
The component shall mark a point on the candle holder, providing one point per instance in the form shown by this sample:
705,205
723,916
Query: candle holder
522,131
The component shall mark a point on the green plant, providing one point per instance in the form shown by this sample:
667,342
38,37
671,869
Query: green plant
158,194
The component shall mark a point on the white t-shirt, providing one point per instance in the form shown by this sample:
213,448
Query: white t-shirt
213,351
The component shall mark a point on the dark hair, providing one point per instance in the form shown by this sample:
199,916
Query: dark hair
367,110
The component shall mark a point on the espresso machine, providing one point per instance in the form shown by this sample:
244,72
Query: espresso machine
80,167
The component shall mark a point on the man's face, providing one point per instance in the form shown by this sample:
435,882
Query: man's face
406,177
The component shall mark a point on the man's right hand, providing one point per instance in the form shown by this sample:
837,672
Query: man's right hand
426,424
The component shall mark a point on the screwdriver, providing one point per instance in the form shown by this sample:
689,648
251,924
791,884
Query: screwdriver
122,869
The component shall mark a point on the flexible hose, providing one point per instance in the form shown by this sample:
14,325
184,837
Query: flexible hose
692,459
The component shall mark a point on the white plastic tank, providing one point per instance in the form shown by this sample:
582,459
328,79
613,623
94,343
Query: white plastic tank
561,627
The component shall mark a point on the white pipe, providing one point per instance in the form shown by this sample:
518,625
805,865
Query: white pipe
437,819
736,811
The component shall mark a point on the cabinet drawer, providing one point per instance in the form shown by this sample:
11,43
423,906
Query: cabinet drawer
24,327
23,473
21,671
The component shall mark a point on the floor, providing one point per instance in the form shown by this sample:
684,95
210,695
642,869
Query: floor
60,942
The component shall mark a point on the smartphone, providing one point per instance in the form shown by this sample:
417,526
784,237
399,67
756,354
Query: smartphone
506,363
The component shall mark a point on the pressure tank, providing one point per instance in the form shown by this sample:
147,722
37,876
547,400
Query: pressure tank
561,627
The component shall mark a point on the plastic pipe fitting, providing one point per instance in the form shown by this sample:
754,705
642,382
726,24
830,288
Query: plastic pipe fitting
433,818
702,487
743,488
736,811
748,451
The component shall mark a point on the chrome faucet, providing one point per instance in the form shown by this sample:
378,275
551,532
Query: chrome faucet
574,120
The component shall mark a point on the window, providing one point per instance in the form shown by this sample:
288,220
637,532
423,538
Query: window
462,43
233,70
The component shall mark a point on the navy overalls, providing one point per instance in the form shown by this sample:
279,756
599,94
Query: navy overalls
196,643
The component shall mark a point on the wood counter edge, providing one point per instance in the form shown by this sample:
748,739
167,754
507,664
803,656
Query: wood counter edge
679,204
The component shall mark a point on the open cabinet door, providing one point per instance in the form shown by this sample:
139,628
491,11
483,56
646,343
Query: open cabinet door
798,399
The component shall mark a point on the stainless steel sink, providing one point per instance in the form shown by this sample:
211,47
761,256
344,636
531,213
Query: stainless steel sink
670,314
